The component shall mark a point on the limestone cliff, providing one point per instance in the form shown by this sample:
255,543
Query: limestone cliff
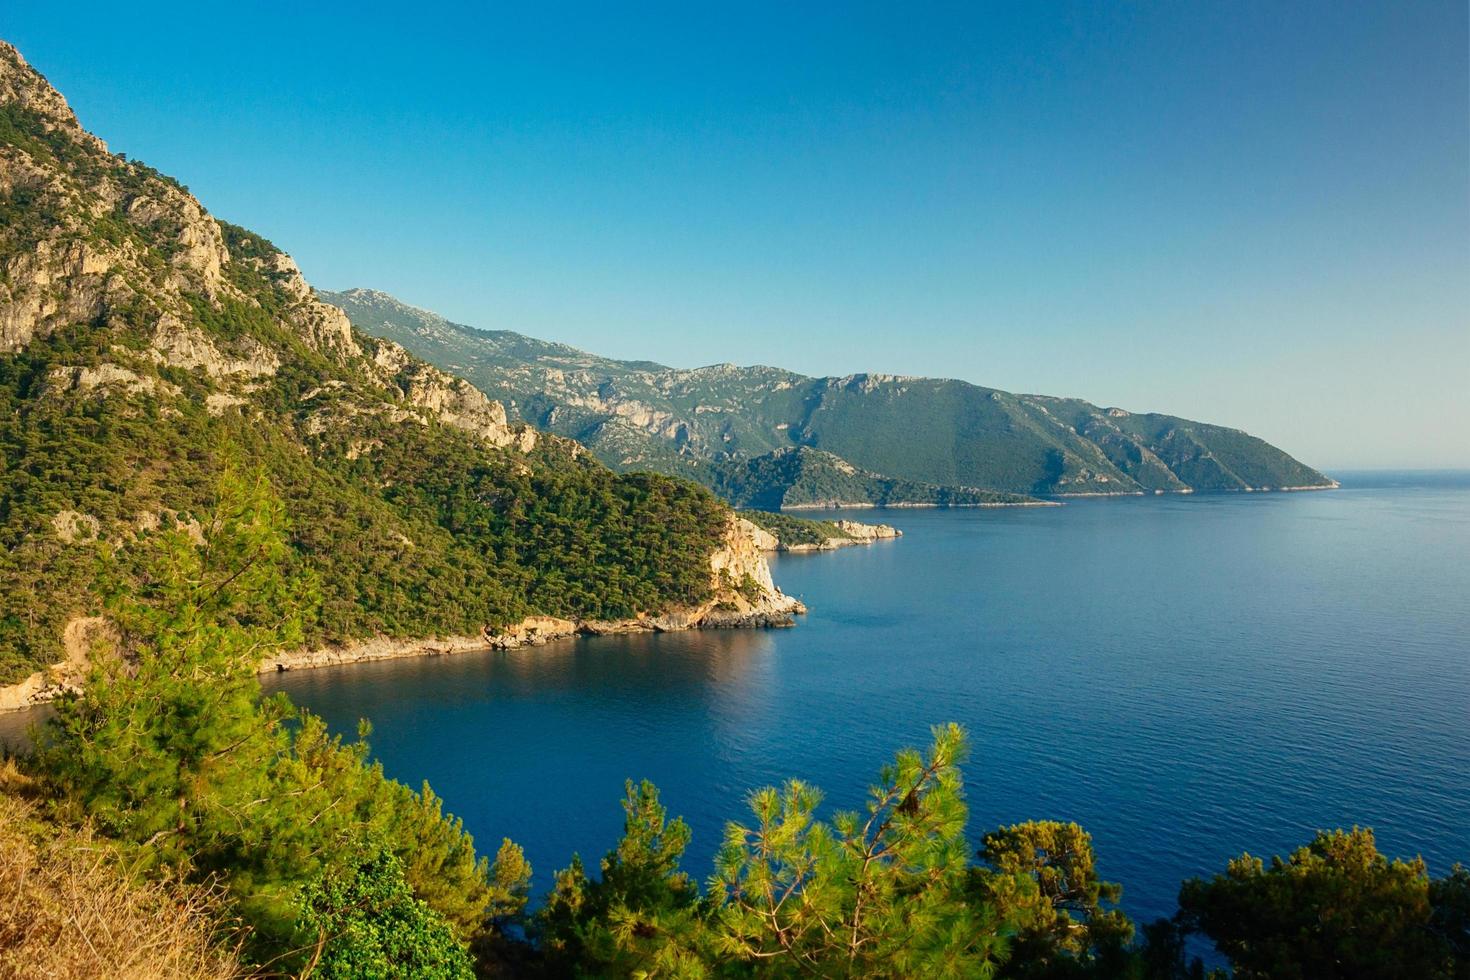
96,227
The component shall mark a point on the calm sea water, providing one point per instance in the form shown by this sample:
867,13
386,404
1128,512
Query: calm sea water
1187,678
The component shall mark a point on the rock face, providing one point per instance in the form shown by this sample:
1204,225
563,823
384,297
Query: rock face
95,262
868,532
83,637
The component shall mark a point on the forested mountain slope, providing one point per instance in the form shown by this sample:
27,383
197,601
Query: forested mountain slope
801,478
946,433
145,346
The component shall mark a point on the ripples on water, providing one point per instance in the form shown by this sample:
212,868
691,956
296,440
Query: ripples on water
1185,677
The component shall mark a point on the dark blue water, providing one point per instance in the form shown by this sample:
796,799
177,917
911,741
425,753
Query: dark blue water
1185,677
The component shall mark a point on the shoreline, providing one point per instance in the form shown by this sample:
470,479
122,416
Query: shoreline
915,506
738,557
1058,499
535,631
1191,492
775,612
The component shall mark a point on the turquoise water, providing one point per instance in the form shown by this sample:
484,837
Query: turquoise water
1185,677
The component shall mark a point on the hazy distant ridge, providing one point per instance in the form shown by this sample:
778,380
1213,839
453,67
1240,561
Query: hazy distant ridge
944,433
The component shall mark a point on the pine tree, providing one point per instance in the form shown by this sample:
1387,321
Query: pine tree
874,894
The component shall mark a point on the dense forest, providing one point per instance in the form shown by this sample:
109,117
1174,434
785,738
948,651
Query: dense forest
286,851
432,533
791,531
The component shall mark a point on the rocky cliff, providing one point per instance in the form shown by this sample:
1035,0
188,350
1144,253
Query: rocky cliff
113,243
146,348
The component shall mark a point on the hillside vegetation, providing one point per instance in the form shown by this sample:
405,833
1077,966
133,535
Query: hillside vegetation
143,344
946,434
280,848
801,478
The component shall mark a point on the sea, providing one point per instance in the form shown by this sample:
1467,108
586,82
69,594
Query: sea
1187,677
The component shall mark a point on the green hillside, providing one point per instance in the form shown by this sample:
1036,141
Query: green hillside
944,433
145,347
803,478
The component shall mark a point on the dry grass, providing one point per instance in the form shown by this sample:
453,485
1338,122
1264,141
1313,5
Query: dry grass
67,910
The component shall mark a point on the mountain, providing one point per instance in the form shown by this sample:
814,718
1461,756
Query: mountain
943,433
801,478
147,348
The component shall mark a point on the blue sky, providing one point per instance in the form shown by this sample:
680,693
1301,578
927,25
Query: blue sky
1254,214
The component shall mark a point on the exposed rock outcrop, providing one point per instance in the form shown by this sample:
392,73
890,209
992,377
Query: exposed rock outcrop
850,533
94,265
868,532
83,636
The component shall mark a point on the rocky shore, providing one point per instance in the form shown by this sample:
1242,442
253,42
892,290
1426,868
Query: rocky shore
1329,485
726,612
913,505
849,533
743,597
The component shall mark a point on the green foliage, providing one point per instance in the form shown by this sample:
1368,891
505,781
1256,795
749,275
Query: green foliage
1333,909
878,893
171,749
1041,877
640,917
435,533
510,882
160,742
789,530
246,244
1449,898
369,926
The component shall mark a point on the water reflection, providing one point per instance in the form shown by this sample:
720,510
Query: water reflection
15,728
711,667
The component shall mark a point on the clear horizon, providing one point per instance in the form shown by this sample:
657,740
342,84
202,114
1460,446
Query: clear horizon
1253,216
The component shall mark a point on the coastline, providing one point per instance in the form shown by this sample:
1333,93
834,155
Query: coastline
1190,491
869,505
1054,499
535,631
738,558
773,612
